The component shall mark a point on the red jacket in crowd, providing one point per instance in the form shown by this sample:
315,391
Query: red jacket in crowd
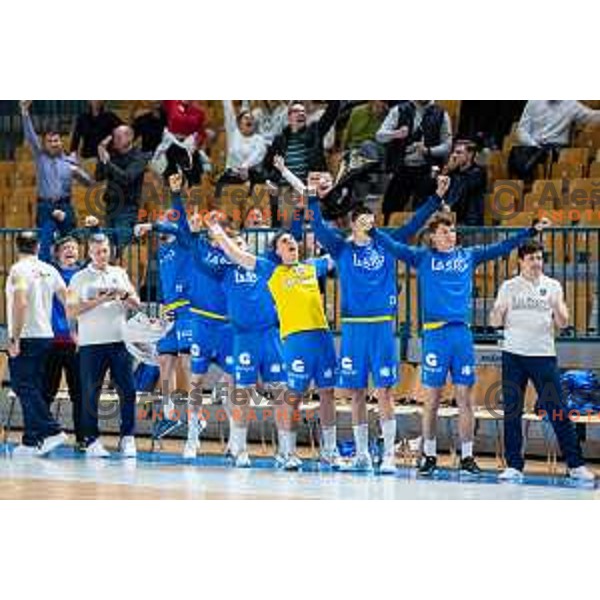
184,118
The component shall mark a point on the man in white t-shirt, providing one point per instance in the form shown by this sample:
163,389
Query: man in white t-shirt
528,307
99,297
30,289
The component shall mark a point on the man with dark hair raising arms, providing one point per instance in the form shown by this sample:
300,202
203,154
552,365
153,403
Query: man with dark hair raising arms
445,280
528,307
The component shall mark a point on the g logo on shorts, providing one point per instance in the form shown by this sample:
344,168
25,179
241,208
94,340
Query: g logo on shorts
431,360
346,363
298,366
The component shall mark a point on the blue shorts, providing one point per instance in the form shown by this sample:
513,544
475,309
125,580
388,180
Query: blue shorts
368,348
309,355
448,349
258,355
211,342
183,329
168,343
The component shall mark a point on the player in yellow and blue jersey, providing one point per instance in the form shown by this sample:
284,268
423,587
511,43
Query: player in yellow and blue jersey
308,348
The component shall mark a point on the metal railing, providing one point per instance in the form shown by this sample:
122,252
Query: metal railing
572,257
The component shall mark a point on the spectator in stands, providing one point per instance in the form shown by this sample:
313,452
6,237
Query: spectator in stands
182,141
123,168
245,149
270,117
468,183
418,135
315,109
55,173
91,127
544,128
301,146
363,124
359,142
148,121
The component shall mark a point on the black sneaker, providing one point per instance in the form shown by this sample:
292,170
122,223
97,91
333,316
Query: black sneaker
468,465
428,466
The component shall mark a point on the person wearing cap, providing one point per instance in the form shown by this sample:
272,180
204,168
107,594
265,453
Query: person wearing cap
30,288
99,298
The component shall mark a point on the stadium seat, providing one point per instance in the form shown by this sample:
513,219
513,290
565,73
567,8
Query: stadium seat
552,187
584,193
564,170
595,169
574,156
538,202
589,137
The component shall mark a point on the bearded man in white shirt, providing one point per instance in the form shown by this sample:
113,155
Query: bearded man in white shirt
528,307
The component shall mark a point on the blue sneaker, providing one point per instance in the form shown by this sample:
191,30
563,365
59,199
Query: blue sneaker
164,427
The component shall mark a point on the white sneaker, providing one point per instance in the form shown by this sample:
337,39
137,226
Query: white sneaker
242,460
22,451
388,465
280,460
52,442
293,463
127,447
510,474
331,458
190,449
582,473
362,462
96,450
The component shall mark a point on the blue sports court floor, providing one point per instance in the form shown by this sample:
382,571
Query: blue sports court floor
164,475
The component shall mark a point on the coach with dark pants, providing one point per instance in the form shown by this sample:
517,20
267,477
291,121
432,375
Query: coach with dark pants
528,306
99,297
63,355
30,288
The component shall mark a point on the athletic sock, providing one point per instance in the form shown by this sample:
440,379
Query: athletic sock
430,447
466,449
193,424
361,438
241,437
283,436
388,429
169,408
292,442
329,438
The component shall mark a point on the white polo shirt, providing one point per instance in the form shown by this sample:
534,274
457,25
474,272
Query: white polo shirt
529,322
40,281
105,323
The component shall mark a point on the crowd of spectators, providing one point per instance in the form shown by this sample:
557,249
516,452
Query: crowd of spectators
406,144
